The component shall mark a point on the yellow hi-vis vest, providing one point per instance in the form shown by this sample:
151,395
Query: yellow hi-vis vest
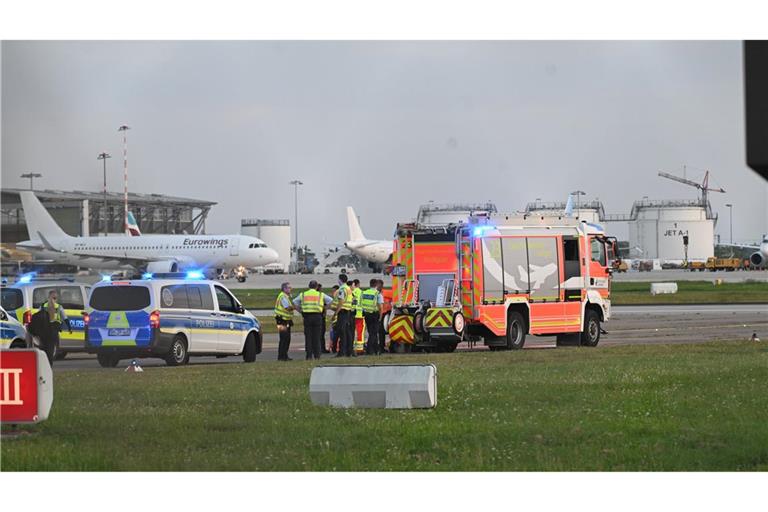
358,295
347,304
56,317
370,301
311,302
280,310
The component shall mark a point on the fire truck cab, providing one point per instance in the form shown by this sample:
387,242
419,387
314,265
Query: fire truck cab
499,278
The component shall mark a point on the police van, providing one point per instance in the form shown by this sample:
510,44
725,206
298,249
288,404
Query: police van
12,333
171,316
23,299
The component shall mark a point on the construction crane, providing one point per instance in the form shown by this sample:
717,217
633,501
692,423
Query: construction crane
703,186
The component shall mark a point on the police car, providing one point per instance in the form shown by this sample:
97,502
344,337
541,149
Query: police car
171,316
12,333
23,299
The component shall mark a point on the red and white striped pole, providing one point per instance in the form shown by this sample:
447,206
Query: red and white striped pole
125,129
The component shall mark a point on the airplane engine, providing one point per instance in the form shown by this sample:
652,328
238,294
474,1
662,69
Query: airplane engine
757,259
162,266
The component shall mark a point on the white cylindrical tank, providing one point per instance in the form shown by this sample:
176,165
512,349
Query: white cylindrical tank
276,233
433,214
658,233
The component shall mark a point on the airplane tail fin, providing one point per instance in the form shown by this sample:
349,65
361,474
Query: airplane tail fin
355,233
569,206
132,228
40,224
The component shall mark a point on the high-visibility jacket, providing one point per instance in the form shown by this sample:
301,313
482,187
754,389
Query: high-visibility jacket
280,310
370,301
57,316
357,295
347,304
311,301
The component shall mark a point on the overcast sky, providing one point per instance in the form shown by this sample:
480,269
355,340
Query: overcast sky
382,126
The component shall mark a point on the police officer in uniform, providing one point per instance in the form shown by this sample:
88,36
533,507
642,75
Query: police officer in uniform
312,304
283,318
372,304
51,317
345,317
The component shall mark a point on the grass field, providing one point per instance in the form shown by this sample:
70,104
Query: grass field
689,292
652,407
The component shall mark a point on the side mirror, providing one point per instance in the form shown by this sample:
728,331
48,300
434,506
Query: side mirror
3,316
240,309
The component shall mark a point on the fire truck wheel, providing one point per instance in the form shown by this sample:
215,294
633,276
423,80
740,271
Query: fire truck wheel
515,330
591,334
107,360
418,323
178,355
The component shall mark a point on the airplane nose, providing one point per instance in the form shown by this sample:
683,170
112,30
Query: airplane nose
273,255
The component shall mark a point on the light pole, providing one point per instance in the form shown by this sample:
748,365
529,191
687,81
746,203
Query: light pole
31,176
730,208
103,157
578,193
296,184
125,129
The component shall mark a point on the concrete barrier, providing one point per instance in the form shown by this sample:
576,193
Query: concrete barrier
379,386
658,288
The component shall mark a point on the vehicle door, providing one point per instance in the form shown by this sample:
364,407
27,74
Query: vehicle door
203,317
544,275
598,264
174,314
231,323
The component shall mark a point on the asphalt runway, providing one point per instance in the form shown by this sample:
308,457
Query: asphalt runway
628,325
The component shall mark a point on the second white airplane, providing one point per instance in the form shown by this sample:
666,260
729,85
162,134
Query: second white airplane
148,253
374,251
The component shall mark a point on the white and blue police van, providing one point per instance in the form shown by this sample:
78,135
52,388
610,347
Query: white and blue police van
171,316
12,332
23,299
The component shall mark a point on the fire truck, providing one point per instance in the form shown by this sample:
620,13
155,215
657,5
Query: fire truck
498,278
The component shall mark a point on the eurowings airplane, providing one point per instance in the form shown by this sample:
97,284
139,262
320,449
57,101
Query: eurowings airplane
148,253
132,228
375,251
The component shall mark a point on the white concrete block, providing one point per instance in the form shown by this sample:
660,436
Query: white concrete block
658,288
379,386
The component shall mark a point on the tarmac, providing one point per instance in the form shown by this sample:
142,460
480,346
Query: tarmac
629,325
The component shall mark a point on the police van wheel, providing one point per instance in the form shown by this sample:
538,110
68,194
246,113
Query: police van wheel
249,350
18,344
178,355
107,360
515,330
591,334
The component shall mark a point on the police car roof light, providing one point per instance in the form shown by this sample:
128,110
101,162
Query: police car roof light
146,275
195,274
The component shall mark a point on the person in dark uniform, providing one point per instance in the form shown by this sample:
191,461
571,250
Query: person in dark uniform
323,345
46,325
345,316
284,320
372,304
312,304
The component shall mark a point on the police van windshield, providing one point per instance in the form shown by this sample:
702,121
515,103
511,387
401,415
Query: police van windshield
120,298
12,299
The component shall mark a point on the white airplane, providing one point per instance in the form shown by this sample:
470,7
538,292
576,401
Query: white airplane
375,251
148,253
760,256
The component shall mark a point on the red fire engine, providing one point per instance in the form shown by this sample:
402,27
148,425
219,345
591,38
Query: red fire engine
498,278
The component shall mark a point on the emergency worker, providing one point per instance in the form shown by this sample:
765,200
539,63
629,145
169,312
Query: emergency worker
372,303
312,305
344,317
51,317
284,320
359,320
323,345
334,333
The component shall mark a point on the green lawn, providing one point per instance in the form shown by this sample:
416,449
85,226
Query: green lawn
653,407
689,292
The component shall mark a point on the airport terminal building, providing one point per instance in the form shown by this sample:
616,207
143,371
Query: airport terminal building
85,214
